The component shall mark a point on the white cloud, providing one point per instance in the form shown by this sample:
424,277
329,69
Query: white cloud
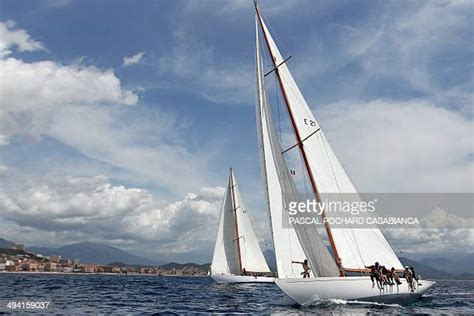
133,60
401,146
439,231
149,149
91,208
11,37
195,66
3,168
418,48
440,218
33,92
77,105
237,8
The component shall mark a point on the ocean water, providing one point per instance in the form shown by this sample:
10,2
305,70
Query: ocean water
121,294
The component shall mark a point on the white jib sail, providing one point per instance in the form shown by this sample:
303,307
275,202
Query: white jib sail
285,242
356,247
236,247
226,258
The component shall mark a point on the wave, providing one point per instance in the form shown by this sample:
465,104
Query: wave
337,301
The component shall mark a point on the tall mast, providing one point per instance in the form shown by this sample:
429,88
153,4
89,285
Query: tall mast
234,208
300,144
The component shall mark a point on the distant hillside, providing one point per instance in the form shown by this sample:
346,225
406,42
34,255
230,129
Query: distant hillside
426,271
175,265
41,250
6,243
456,266
89,252
452,262
15,252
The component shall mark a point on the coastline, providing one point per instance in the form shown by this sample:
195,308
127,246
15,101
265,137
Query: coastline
103,273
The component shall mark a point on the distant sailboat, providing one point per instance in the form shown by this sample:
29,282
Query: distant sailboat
352,248
238,257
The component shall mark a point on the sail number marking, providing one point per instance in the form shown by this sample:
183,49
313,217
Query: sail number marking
309,122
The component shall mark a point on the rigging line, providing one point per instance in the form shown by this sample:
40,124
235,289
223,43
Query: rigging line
305,176
231,176
275,68
288,149
385,243
305,173
351,232
278,111
323,141
357,248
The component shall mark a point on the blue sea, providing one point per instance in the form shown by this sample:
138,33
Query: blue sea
119,294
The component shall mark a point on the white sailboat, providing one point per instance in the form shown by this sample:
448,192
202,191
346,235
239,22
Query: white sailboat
237,257
352,248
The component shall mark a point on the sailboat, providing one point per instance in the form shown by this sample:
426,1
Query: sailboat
237,257
337,274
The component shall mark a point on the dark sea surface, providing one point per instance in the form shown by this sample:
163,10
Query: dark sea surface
119,294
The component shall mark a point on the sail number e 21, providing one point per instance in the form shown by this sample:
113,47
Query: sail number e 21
310,122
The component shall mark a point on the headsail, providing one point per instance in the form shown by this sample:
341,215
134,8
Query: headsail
355,247
251,254
236,245
290,243
226,258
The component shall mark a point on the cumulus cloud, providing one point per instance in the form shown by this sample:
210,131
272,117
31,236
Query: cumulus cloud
91,208
77,105
440,218
439,231
133,60
11,37
401,146
33,92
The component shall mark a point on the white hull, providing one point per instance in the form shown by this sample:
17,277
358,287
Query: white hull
227,278
305,291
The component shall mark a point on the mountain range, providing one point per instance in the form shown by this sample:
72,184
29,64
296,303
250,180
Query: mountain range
87,252
434,266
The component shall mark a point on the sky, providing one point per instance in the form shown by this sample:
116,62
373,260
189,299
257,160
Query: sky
119,119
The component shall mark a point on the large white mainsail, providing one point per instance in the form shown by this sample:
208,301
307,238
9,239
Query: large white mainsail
356,247
236,246
290,243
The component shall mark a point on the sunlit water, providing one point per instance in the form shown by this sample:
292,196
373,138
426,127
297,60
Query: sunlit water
153,294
